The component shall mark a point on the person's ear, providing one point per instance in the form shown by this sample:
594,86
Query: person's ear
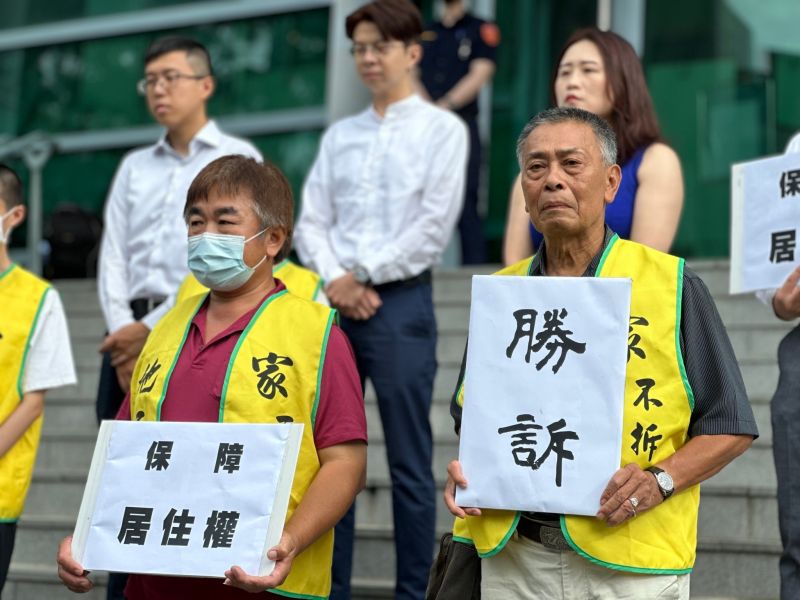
208,85
613,179
16,217
414,53
274,239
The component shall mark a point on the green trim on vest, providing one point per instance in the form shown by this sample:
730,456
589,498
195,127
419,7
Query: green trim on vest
681,366
238,345
317,289
463,540
279,266
177,356
505,539
530,264
606,252
28,339
614,566
293,595
8,270
331,318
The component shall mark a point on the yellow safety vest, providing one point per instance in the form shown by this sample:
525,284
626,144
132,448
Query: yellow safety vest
298,280
662,540
22,296
284,327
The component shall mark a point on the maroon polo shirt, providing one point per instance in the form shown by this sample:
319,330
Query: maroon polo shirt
193,394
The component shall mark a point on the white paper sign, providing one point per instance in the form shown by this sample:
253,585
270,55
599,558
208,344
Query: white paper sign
187,499
765,219
543,392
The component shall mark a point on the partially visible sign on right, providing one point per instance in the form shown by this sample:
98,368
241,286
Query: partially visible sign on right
765,222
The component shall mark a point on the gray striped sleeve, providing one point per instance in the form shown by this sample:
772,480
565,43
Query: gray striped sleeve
721,405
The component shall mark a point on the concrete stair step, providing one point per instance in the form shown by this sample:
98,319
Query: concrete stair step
38,538
38,581
56,492
65,451
67,415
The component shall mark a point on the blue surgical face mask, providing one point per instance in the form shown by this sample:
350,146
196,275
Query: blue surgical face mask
217,260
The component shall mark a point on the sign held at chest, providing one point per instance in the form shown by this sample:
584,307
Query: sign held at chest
191,499
543,392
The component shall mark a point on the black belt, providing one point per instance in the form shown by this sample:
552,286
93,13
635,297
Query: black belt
549,536
142,306
424,277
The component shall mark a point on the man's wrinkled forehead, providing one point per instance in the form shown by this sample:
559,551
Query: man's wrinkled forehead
562,139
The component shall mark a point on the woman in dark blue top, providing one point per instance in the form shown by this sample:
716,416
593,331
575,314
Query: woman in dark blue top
599,71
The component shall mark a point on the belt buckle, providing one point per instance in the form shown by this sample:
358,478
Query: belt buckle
553,539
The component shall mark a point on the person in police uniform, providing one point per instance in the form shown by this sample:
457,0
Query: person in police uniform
458,60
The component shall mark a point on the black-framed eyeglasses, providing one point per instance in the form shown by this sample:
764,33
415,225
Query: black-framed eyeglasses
170,78
381,48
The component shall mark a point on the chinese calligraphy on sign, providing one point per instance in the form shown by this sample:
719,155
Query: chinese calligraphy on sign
552,337
524,440
544,388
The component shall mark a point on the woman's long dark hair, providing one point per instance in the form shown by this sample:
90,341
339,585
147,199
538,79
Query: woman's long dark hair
633,116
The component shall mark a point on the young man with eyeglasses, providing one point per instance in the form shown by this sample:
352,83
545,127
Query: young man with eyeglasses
143,250
379,207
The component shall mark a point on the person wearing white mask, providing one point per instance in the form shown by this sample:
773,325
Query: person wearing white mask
251,351
35,356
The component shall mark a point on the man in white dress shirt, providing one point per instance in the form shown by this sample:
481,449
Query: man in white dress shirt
379,207
785,409
143,253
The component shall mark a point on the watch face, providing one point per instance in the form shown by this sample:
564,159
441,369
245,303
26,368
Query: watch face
664,482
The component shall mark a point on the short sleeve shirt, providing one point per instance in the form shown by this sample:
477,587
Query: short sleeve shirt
194,395
49,363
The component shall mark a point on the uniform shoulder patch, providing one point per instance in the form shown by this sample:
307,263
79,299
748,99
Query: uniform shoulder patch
490,34
428,36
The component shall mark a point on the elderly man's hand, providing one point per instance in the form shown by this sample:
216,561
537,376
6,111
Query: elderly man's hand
455,477
786,302
616,505
70,572
282,554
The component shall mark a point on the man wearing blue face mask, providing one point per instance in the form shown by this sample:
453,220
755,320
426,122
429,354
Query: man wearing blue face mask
35,356
251,351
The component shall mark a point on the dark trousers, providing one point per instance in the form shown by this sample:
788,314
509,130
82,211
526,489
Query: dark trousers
470,227
786,450
396,350
8,532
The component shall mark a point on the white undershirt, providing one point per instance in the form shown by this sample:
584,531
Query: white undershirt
49,363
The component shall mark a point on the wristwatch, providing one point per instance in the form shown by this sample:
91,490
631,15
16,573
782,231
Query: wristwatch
664,480
361,275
